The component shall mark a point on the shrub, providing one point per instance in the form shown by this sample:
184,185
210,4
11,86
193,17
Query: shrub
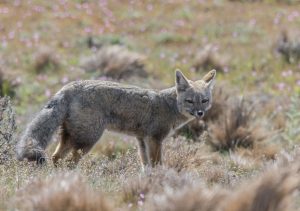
289,49
6,86
235,129
65,191
136,190
207,59
45,60
116,62
7,128
273,191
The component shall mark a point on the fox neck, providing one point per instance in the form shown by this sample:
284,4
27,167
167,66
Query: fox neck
170,97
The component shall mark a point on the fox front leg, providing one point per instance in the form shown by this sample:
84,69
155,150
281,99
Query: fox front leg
142,152
153,151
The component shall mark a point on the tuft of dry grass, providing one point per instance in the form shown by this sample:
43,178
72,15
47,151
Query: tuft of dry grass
187,156
189,199
116,62
219,106
7,129
60,192
289,49
45,60
268,1
7,86
207,59
273,191
236,129
136,190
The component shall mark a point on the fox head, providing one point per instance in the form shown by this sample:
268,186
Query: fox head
194,98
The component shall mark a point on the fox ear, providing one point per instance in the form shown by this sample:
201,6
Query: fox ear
181,81
209,78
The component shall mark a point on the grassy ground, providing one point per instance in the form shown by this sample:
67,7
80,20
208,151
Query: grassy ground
43,44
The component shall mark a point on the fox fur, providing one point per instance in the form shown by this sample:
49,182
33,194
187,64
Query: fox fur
84,109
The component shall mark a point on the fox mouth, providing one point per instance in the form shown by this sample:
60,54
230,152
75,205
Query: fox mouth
194,114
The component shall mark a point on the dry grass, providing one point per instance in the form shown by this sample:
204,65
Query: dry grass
60,192
136,190
273,191
7,129
116,62
7,86
207,59
45,60
236,129
182,155
288,48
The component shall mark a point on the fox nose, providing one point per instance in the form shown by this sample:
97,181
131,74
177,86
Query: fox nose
200,113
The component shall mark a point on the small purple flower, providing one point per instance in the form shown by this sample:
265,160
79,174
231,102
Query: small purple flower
162,55
4,43
17,3
11,35
287,73
4,10
65,80
149,7
252,22
179,23
88,30
225,69
48,93
36,36
281,86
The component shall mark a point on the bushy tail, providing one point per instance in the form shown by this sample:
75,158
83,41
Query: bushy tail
40,131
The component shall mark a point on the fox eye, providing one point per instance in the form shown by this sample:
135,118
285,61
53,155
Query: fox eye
189,101
204,101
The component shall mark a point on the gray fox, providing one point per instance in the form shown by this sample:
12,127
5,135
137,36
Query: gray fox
84,109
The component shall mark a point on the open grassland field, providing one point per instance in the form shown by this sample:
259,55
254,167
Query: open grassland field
244,154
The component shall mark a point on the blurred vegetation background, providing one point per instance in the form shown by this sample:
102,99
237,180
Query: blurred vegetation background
253,44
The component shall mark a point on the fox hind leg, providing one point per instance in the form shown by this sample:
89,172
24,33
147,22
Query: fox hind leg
79,152
82,147
63,147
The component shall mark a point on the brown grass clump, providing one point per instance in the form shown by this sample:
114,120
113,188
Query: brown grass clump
136,190
62,192
270,193
45,60
188,199
7,86
219,104
187,156
207,59
235,129
278,1
7,129
273,191
289,49
116,62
